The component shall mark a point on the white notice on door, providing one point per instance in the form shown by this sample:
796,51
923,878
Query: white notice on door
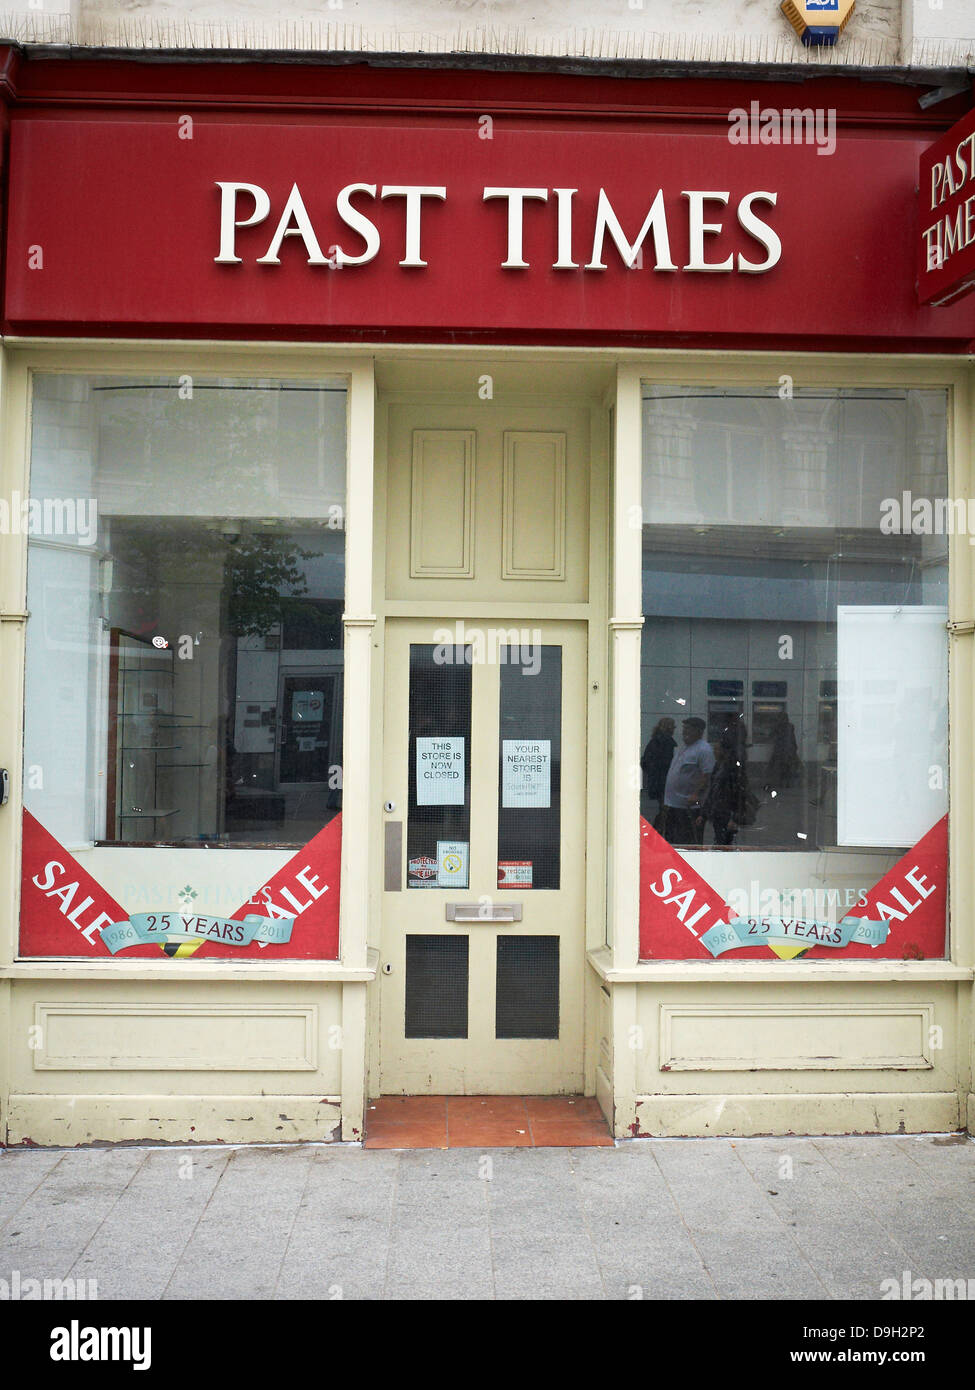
440,772
526,772
452,860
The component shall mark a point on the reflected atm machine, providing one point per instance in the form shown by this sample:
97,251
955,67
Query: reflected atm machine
725,697
826,730
308,725
769,699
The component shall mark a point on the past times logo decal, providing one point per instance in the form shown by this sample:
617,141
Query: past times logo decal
902,917
293,915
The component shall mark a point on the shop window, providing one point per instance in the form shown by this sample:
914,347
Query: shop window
184,650
530,773
439,822
795,662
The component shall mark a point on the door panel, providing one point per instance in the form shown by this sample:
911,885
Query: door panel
499,513
484,760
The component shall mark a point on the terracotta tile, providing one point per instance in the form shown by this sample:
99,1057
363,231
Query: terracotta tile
485,1122
404,1138
500,1135
566,1117
406,1108
567,1107
486,1108
579,1122
421,1134
548,1134
377,1122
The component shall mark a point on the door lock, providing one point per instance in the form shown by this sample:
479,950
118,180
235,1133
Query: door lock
389,807
387,968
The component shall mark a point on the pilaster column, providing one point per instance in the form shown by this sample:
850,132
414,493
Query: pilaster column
626,607
359,621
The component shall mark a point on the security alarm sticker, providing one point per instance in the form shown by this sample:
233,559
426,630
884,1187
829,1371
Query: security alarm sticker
453,857
440,772
422,872
526,772
515,873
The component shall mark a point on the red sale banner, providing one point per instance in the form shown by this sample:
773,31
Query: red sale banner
913,898
64,910
677,907
307,889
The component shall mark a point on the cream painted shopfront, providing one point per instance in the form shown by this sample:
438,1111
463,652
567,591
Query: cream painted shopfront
476,622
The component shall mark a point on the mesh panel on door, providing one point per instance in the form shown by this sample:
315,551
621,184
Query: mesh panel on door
439,820
527,1004
530,781
436,986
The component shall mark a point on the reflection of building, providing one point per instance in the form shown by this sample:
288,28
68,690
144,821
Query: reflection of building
195,741
742,606
287,756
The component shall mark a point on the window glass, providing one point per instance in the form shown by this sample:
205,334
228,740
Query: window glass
794,658
439,825
530,781
185,585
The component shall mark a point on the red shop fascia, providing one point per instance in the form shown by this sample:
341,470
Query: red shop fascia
343,202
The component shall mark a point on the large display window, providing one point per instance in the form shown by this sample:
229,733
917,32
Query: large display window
794,674
184,674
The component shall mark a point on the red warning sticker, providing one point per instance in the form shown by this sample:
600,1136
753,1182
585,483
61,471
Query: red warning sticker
515,873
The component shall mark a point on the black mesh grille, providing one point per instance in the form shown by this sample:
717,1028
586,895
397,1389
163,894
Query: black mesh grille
527,987
436,986
529,829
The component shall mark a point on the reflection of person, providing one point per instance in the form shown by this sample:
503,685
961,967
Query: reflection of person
725,804
784,763
656,760
686,784
735,734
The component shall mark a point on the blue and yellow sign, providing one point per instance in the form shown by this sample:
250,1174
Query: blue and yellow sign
818,22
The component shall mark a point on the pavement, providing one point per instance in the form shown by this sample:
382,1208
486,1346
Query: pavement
753,1219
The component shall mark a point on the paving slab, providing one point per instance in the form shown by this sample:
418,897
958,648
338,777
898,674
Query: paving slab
18,1179
133,1252
764,1219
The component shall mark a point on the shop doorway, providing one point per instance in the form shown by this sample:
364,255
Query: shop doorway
484,858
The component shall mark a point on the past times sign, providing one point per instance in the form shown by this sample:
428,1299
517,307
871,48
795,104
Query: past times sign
946,192
536,223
